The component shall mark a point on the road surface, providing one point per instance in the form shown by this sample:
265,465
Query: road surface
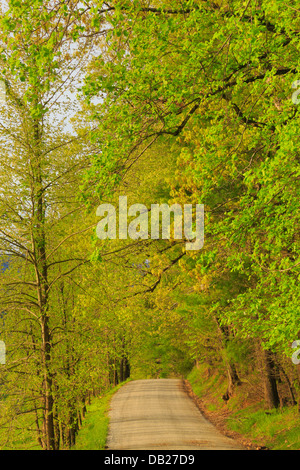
158,414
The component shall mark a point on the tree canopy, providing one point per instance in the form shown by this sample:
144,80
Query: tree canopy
187,102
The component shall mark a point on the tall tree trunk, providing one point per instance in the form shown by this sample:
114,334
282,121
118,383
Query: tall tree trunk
269,377
39,249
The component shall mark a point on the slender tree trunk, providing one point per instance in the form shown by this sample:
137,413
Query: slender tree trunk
39,249
48,385
127,368
121,374
39,432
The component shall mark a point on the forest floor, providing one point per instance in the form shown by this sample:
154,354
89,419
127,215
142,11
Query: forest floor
244,417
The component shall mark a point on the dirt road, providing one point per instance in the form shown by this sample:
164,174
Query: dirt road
158,414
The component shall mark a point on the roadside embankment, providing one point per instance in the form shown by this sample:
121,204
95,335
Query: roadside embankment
244,416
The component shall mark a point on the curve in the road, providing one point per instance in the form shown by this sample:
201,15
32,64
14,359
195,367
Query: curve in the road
158,414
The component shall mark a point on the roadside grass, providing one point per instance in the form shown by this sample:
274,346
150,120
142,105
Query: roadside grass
93,433
277,429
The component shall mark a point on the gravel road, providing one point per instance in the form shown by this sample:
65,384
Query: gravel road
158,414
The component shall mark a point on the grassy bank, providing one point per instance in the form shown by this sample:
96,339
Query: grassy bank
93,433
244,416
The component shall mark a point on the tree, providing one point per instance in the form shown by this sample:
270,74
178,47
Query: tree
42,167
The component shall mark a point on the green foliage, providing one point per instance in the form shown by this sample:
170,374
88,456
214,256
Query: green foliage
186,103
